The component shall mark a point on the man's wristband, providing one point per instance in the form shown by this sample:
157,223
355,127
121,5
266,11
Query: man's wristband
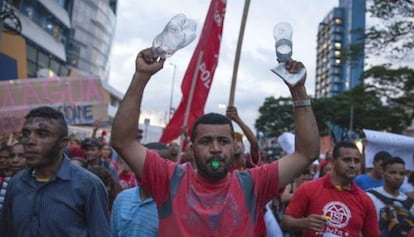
301,103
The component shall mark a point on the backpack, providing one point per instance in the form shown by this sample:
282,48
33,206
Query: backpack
394,219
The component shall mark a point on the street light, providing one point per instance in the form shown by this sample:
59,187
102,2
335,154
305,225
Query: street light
171,109
222,106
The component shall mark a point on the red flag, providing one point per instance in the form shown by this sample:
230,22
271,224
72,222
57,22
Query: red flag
209,43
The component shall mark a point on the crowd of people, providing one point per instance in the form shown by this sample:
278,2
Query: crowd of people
56,184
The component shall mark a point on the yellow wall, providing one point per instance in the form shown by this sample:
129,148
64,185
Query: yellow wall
14,46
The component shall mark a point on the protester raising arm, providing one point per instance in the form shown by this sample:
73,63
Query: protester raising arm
254,145
123,138
306,131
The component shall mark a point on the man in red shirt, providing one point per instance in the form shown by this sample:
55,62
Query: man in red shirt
210,201
333,204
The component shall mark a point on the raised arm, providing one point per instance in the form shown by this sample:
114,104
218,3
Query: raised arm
254,144
123,136
96,126
306,132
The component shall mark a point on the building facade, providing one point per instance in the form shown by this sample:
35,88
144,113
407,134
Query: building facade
340,49
56,52
57,37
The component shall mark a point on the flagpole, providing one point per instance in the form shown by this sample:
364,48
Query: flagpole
237,58
190,99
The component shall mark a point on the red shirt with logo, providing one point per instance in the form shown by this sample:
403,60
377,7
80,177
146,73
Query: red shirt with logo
351,212
189,205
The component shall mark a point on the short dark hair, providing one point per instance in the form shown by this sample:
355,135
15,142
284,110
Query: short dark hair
392,160
52,113
91,143
156,146
161,149
343,144
5,147
381,156
211,118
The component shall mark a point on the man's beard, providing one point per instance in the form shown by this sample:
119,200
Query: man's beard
202,168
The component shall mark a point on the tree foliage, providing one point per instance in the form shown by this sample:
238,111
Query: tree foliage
276,116
393,31
394,86
360,108
356,109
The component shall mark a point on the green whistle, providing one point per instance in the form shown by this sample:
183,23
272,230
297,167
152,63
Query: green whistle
215,164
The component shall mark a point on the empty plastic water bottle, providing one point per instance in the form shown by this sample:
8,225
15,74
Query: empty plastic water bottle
178,33
282,32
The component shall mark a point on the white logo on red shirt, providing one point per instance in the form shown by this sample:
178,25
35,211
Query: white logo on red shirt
338,212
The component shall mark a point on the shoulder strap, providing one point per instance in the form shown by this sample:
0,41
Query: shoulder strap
384,199
247,185
389,201
165,209
408,203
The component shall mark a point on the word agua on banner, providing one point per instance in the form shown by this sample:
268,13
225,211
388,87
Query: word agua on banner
24,92
80,99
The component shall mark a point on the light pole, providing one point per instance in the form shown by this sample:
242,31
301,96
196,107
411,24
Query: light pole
146,123
170,109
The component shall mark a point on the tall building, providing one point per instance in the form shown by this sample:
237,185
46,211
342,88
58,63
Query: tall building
57,37
340,49
62,48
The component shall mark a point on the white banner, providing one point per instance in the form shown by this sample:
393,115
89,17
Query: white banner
396,144
287,142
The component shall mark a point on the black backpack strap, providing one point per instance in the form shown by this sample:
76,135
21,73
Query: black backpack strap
389,201
408,203
384,199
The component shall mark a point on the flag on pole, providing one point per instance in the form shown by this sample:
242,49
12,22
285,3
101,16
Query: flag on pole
209,43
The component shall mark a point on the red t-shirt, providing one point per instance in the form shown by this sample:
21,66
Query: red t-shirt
203,208
351,211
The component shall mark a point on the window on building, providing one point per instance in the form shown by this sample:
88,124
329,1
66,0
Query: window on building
338,21
31,69
61,2
64,71
337,53
43,60
31,53
337,37
54,66
337,45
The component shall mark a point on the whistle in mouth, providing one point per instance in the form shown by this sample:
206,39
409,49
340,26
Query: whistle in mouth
215,164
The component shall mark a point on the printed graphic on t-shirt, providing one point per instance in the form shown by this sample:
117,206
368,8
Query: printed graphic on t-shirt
339,215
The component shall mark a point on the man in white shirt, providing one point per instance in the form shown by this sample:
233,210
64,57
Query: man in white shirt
389,194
